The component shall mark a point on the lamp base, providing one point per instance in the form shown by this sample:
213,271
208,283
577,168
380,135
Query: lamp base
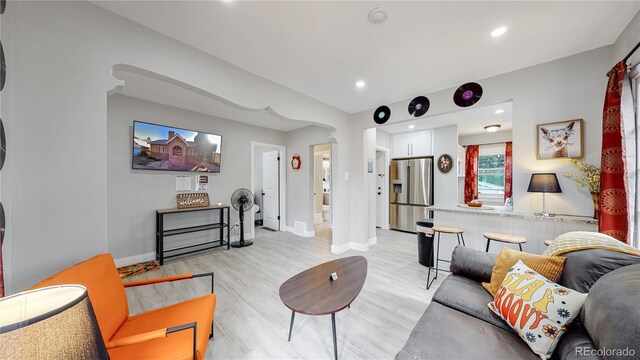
545,214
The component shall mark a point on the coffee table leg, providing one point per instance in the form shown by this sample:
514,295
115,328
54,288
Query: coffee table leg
293,315
335,342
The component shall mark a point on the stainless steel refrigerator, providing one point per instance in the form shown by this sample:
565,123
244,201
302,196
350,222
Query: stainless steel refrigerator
411,191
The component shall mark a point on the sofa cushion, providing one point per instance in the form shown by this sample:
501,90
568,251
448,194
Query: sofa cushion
573,345
100,276
473,264
470,297
538,309
177,345
548,266
598,261
445,333
611,313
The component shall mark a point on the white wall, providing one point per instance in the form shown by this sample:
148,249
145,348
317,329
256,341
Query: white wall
486,138
134,195
626,41
56,198
300,182
445,141
564,89
383,139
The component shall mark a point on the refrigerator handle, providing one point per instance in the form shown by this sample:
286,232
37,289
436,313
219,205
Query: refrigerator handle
408,184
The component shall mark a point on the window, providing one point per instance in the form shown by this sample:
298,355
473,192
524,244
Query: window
491,174
161,149
177,150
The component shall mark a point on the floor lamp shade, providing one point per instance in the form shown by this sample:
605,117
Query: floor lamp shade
55,322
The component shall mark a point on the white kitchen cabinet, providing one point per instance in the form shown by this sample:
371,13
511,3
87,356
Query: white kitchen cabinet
418,143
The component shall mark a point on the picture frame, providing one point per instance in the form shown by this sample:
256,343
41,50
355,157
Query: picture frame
445,163
560,140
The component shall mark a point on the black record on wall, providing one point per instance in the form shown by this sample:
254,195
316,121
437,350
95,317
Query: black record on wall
3,67
3,145
419,106
2,223
382,114
467,94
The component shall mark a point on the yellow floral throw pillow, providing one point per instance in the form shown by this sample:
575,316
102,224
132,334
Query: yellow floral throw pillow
538,309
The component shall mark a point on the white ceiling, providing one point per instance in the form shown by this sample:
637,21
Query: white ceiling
149,86
321,48
469,122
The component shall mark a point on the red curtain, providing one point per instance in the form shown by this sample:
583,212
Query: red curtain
1,272
471,174
613,219
508,170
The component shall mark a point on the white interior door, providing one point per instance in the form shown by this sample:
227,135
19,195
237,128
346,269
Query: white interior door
317,189
270,186
380,190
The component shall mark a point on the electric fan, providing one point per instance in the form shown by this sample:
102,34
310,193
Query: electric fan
242,200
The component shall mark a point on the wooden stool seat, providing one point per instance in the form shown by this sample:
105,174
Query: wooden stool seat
548,242
448,230
505,238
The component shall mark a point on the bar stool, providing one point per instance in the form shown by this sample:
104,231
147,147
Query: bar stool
548,242
442,230
505,238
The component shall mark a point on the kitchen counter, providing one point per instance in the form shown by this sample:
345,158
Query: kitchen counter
500,211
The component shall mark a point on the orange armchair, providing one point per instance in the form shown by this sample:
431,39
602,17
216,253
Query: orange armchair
178,331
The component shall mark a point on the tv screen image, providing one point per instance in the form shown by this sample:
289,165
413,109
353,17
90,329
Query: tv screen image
159,147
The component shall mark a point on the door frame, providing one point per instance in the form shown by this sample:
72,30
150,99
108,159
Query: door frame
282,193
385,186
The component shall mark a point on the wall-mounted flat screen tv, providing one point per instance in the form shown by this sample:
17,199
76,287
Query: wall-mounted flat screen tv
159,147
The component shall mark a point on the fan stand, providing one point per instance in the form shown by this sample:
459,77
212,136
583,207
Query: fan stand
241,242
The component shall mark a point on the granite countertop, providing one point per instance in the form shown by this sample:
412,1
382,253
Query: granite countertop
499,211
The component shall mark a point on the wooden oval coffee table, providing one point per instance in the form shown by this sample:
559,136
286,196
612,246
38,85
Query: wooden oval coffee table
312,292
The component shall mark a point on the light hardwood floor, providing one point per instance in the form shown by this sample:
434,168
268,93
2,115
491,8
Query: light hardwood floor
252,323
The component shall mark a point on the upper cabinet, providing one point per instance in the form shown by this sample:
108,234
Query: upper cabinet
418,143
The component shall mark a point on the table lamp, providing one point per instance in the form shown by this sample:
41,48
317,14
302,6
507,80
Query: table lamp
55,322
544,183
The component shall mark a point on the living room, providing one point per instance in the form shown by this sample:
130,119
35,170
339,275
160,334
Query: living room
88,72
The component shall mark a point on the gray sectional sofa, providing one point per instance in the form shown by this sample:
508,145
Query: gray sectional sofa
459,325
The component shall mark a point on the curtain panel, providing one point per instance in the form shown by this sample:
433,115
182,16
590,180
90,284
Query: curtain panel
471,173
614,197
508,170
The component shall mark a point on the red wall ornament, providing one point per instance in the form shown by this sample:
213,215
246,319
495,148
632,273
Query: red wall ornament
296,162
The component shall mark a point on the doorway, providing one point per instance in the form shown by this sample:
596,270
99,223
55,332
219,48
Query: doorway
382,187
322,187
268,184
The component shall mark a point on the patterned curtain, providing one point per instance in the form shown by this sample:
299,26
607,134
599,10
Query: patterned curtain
508,170
613,219
471,173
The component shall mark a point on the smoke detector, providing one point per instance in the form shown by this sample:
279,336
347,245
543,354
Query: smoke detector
377,16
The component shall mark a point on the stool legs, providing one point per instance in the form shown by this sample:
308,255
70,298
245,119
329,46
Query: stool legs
436,261
488,241
520,245
462,237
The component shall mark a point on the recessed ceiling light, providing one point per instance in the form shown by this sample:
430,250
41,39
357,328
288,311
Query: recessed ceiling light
360,84
411,126
492,128
499,111
499,31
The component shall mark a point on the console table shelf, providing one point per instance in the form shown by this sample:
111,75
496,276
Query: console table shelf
161,232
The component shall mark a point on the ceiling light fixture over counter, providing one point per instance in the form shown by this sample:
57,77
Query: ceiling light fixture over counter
492,128
360,84
499,31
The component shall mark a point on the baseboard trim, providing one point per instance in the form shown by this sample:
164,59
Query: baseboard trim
135,259
301,230
373,241
339,249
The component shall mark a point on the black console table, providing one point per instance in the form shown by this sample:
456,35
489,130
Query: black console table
161,252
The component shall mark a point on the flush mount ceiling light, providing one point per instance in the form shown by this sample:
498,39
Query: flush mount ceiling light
377,16
499,31
411,126
499,111
360,84
492,128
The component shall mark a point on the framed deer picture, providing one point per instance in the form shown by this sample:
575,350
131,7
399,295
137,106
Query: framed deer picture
561,140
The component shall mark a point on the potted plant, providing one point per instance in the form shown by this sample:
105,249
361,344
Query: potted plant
588,178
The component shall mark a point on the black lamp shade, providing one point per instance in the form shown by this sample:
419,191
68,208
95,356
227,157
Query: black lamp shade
544,183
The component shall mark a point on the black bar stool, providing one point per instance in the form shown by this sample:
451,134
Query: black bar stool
443,230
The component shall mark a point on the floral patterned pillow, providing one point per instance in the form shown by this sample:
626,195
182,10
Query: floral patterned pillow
538,309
